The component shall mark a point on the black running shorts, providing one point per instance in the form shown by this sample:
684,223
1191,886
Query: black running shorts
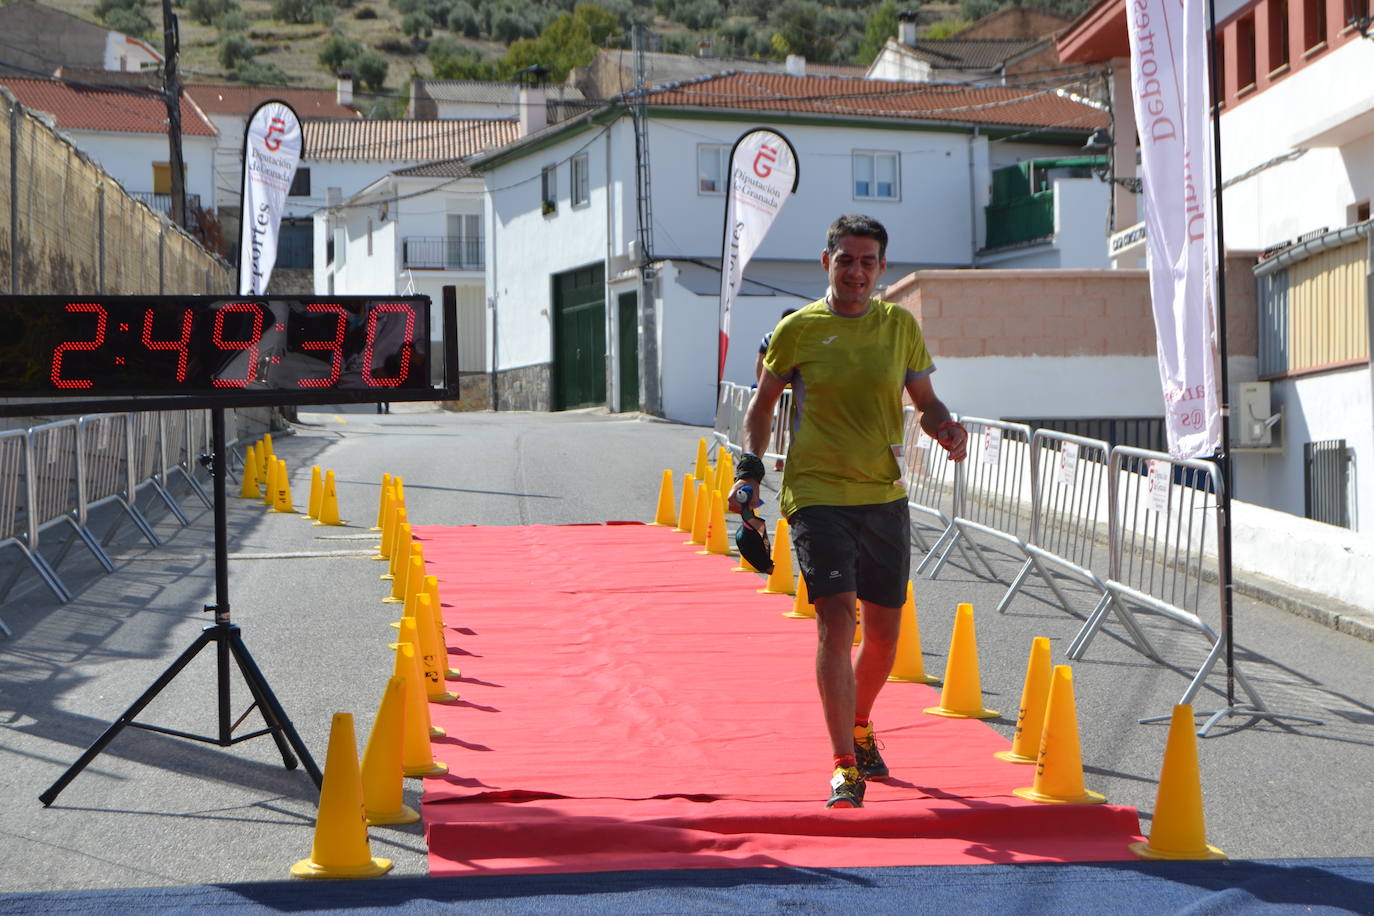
863,549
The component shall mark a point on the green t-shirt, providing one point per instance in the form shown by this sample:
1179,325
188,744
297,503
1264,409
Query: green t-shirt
847,377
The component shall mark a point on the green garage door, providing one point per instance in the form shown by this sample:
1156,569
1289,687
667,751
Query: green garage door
579,338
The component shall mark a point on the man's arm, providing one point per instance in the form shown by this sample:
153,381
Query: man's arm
758,425
936,419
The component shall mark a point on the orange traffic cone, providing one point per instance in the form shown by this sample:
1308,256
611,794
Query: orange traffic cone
910,666
381,502
312,506
717,541
664,515
780,580
687,506
329,502
1179,830
432,589
858,622
383,780
1059,768
801,604
962,695
249,487
340,849
1035,694
283,500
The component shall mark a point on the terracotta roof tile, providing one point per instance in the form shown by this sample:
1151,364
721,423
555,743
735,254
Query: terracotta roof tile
863,98
104,108
391,140
446,168
241,100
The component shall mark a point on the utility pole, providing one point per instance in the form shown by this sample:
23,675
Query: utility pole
171,89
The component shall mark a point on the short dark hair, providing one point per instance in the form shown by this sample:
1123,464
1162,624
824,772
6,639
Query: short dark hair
858,225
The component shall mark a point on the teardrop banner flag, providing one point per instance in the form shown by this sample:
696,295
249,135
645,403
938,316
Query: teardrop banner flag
1169,78
763,175
272,148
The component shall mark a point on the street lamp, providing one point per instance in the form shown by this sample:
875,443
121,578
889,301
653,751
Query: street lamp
1100,143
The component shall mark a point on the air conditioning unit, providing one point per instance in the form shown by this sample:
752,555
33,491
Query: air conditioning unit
1257,424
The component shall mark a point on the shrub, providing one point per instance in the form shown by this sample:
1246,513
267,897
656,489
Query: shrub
232,21
258,73
365,12
370,68
336,51
235,49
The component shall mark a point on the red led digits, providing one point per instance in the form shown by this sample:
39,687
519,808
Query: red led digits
250,346
336,345
75,345
182,344
401,349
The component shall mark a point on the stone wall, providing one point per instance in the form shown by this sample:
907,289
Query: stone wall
526,388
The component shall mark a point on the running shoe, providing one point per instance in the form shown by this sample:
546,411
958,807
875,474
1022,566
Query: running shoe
866,752
846,788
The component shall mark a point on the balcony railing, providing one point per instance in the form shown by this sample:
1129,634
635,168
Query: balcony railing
162,203
443,253
1021,220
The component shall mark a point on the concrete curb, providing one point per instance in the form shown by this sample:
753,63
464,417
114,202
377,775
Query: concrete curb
1324,609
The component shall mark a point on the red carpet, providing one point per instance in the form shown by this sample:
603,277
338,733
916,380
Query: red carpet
629,704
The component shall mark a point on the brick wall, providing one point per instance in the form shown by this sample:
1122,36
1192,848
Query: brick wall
972,313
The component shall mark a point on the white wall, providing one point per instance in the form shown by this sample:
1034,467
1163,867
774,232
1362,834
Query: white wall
1332,405
1048,386
1313,190
687,344
129,158
895,64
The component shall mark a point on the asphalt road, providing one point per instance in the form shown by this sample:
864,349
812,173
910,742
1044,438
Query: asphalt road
155,810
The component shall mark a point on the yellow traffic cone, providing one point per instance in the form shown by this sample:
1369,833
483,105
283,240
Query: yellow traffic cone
701,515
802,608
388,521
269,488
432,589
407,580
1059,767
400,552
383,781
687,507
312,505
340,849
263,465
398,486
708,479
398,521
267,444
717,541
1035,694
780,581
858,622
664,516
962,695
417,758
1179,830
329,502
910,666
699,471
381,502
249,488
283,500
432,652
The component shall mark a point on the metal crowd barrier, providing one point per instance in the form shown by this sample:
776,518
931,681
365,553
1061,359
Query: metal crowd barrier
729,424
1070,495
988,490
56,473
929,476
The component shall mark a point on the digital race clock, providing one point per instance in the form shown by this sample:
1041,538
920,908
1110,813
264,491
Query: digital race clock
213,351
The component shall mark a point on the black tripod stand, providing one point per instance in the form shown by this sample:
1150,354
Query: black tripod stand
228,642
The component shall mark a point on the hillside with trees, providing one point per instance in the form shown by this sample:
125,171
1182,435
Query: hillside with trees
386,43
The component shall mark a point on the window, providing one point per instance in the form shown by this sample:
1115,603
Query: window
579,189
875,176
1245,53
548,189
463,246
162,177
1355,10
1278,35
296,244
712,168
1313,23
300,184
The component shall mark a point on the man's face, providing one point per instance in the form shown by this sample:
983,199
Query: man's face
854,268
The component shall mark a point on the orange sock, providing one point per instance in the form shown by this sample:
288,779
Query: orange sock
846,760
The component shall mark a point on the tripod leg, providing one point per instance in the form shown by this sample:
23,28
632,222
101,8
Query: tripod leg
282,729
205,638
